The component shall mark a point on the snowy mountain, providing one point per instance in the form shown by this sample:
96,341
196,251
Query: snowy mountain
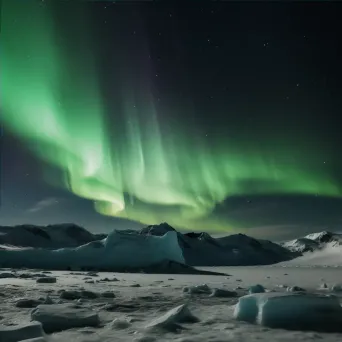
314,242
201,249
51,236
197,249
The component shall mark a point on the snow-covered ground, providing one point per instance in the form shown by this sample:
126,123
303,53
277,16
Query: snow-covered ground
302,293
132,307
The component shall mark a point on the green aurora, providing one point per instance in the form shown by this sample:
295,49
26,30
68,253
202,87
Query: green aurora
53,100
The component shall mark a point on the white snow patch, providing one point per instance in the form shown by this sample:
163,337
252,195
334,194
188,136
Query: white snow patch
330,255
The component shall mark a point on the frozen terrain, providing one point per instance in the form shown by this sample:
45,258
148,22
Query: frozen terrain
106,307
298,298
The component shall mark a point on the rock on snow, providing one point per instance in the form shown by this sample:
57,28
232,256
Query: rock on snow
47,280
293,311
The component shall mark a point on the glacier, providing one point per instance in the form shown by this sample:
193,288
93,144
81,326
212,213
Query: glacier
118,251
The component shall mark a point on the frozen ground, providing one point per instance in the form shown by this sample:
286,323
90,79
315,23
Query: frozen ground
135,307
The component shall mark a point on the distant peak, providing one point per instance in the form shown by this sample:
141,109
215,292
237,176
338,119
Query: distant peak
324,236
157,229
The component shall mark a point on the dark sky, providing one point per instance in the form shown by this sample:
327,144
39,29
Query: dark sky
223,116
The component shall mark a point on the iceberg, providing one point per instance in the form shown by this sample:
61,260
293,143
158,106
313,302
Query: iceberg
119,251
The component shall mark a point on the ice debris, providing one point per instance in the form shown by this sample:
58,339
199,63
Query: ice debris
21,332
171,319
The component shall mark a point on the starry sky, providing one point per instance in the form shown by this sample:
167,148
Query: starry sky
222,117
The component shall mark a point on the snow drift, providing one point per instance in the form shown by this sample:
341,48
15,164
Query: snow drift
330,255
119,251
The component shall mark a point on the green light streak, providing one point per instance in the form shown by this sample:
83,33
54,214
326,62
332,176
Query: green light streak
54,103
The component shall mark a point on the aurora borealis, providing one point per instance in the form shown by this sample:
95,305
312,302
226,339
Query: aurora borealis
87,100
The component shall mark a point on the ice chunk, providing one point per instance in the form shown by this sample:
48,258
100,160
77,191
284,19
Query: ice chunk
48,300
57,317
27,303
179,314
197,289
295,289
70,295
108,294
256,289
46,280
120,323
294,311
21,332
5,275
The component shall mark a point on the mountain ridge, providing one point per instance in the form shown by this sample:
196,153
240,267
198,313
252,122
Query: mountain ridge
199,248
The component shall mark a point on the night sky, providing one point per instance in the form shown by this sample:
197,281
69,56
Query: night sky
219,116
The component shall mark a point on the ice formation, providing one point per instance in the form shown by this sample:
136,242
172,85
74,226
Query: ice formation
118,251
294,311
